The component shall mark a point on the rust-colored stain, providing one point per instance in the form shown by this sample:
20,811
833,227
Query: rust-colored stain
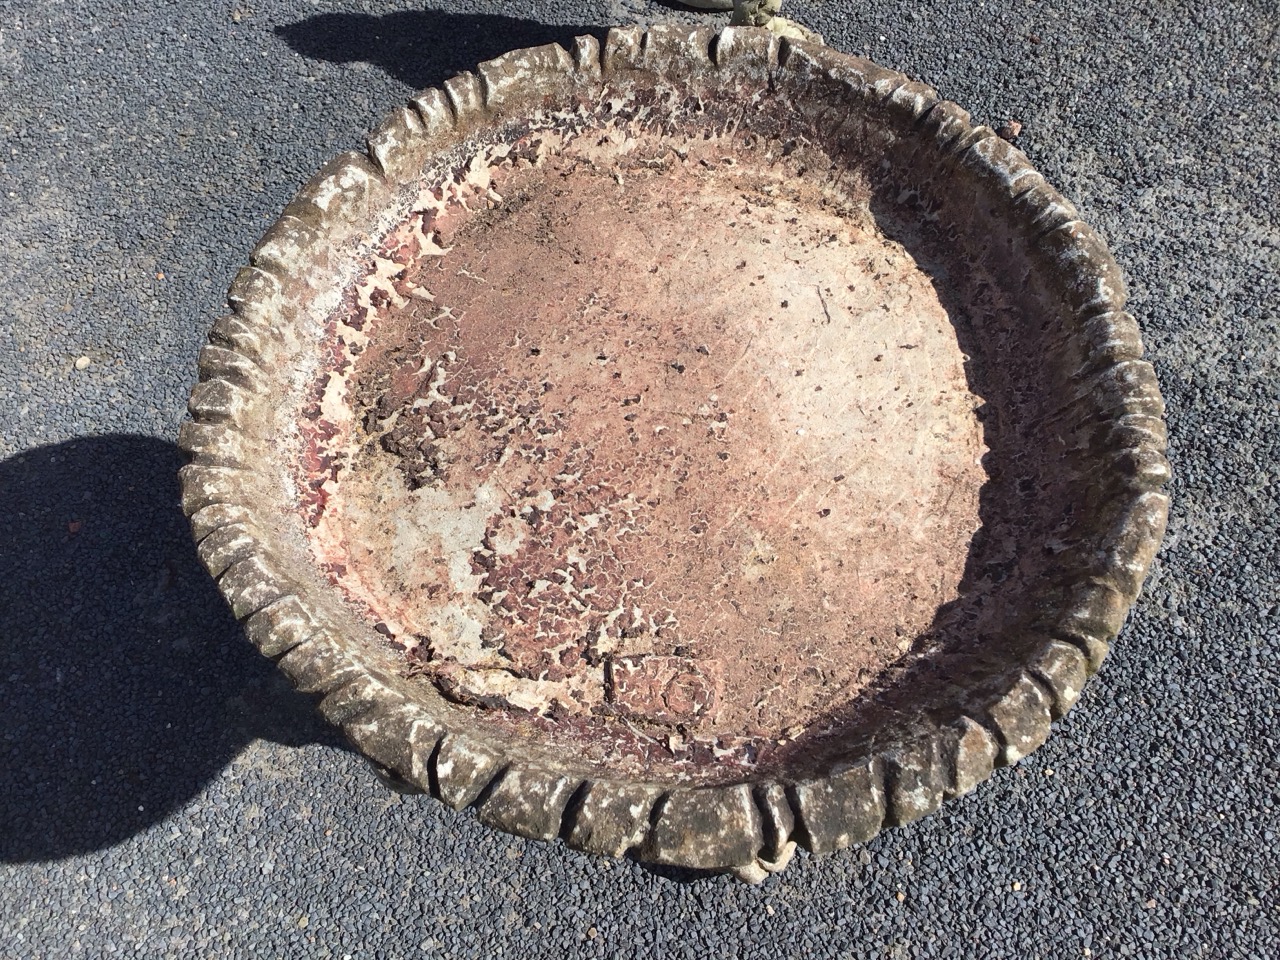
638,435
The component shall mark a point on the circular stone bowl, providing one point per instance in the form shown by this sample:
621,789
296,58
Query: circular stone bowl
689,447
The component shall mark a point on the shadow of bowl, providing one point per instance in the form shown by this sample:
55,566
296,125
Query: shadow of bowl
125,684
420,47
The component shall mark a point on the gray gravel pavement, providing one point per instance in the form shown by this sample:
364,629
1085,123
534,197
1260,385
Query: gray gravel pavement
163,793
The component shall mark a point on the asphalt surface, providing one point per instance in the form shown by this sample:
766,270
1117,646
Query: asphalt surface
163,793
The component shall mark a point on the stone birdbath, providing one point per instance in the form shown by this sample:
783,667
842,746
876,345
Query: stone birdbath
687,446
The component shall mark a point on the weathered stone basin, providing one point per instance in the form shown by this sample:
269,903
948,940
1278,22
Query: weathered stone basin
686,446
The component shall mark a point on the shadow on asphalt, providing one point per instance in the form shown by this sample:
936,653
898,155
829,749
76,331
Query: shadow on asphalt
682,876
421,48
125,683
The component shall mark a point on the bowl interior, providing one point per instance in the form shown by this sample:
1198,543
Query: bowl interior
650,435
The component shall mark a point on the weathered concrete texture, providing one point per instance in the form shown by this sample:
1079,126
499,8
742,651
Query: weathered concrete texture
915,780
462,770
612,818
251,584
352,703
970,752
528,802
227,545
279,627
389,737
1020,719
840,809
1105,409
713,828
319,665
779,820
1093,616
1063,670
